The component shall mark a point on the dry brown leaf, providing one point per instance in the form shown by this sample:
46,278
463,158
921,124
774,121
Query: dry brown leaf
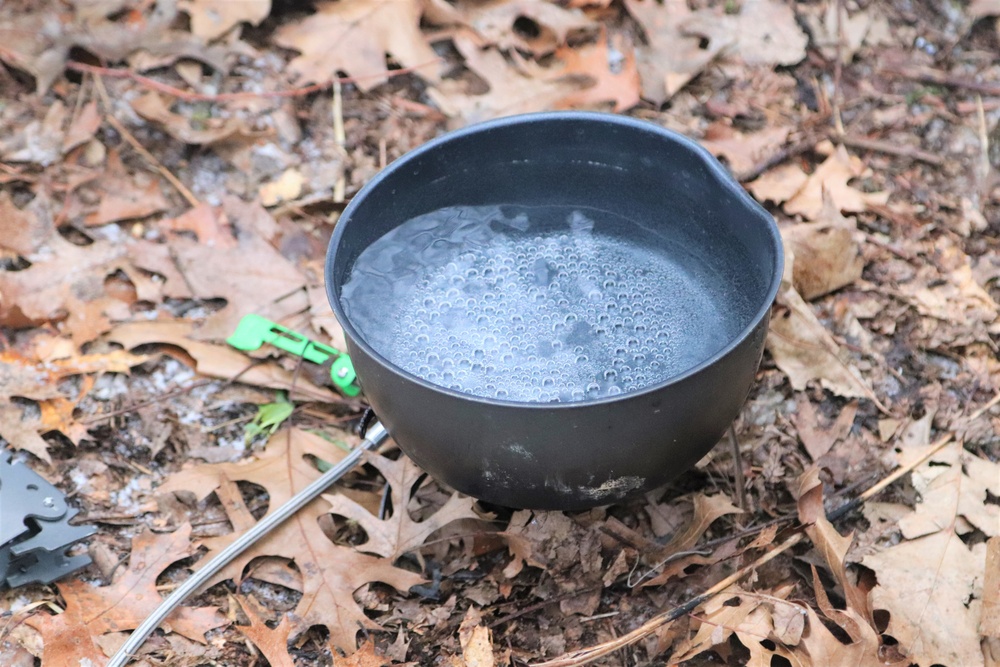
952,483
550,541
744,151
833,547
40,141
152,106
219,361
831,180
717,620
848,33
330,573
779,184
512,90
70,638
956,309
67,285
670,58
354,36
272,642
286,187
804,350
37,380
707,509
24,230
83,127
764,32
365,656
206,223
980,8
610,64
819,438
989,623
266,284
827,254
128,204
932,588
494,21
398,533
213,18
476,640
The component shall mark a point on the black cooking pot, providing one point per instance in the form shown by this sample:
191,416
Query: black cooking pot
593,452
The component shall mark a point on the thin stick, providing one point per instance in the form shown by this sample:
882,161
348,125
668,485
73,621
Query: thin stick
188,96
927,75
587,655
890,149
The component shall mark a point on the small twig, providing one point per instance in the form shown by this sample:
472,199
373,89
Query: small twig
340,136
889,149
542,605
188,96
932,76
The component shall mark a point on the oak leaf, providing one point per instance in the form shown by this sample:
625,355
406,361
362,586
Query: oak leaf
744,151
670,58
330,573
70,638
764,32
827,253
932,588
831,180
213,18
152,106
272,642
220,361
398,533
610,64
476,640
494,21
515,87
354,36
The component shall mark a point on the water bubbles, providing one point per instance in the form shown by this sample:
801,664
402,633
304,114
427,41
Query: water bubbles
547,309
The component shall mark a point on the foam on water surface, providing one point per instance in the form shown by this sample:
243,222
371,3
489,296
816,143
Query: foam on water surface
535,304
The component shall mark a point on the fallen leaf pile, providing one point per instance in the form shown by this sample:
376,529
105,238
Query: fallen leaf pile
170,166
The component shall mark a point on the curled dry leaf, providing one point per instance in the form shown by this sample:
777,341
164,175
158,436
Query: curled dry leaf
272,642
330,573
220,361
209,226
847,33
931,582
152,106
830,180
610,65
671,57
827,253
512,89
40,141
764,32
476,640
213,18
743,152
70,638
494,21
25,230
354,36
365,656
805,351
398,533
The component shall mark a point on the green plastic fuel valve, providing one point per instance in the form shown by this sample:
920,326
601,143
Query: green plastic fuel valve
254,331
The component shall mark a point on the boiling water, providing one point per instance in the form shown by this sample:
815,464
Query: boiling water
535,304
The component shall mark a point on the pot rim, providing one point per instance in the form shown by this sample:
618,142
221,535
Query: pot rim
722,177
